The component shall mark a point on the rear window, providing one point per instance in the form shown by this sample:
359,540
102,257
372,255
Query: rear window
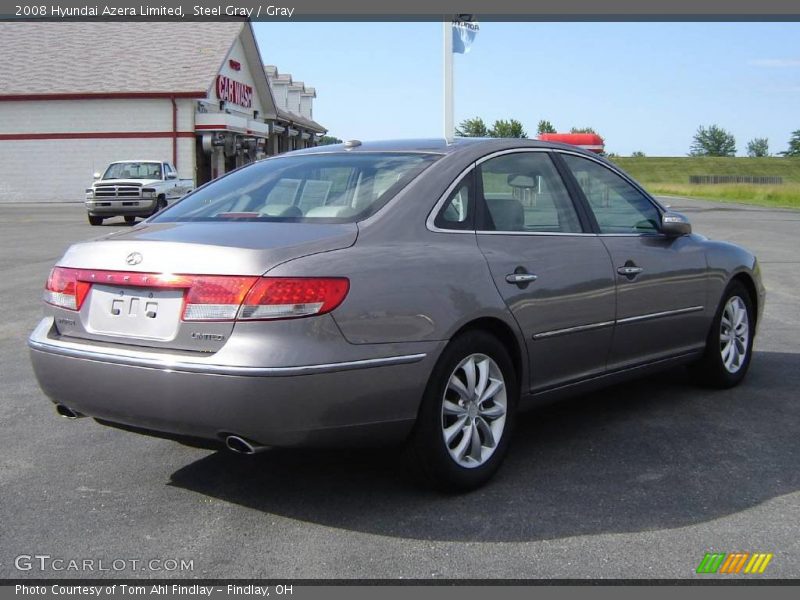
332,188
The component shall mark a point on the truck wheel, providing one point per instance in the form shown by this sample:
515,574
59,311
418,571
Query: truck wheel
161,204
130,219
467,415
93,220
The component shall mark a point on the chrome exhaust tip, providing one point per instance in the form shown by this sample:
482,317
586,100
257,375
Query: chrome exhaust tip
240,445
67,412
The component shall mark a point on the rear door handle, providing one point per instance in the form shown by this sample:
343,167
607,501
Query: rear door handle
629,271
518,278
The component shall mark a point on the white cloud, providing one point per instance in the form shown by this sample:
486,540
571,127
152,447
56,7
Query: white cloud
774,62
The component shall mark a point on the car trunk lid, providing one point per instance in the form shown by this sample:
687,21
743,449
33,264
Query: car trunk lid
130,298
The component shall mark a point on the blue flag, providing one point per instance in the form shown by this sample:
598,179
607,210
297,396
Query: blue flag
464,33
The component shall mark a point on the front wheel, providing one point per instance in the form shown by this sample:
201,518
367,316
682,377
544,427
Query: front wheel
729,346
93,220
130,219
161,204
467,414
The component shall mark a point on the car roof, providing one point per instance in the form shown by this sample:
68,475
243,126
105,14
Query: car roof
133,160
437,146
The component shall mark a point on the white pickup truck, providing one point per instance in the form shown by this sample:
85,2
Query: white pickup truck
134,188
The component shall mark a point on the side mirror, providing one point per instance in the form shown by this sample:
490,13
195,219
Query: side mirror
675,224
97,175
171,176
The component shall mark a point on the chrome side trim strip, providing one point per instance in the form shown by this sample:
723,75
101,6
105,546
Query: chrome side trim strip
658,315
540,233
601,324
555,332
165,364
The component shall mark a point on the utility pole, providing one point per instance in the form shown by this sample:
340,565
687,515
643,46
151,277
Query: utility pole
449,126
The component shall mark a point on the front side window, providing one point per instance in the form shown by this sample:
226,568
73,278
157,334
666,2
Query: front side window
523,192
617,205
335,187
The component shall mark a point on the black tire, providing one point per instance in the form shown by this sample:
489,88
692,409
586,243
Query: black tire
93,220
161,204
711,369
427,454
130,219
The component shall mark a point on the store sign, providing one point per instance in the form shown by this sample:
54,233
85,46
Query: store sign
234,91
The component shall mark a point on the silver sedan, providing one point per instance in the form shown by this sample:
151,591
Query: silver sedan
393,292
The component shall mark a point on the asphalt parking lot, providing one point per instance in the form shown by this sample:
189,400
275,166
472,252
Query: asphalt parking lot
638,481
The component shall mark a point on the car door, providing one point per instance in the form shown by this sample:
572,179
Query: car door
660,279
168,185
554,274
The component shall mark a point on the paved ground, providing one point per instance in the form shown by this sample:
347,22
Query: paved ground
637,481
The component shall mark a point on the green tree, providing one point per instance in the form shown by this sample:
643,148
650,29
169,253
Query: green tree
582,130
472,128
329,139
637,154
545,127
794,145
713,141
507,129
758,147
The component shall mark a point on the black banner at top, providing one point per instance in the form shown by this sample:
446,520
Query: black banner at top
408,10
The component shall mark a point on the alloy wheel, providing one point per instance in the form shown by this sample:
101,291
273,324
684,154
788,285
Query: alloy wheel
734,334
474,410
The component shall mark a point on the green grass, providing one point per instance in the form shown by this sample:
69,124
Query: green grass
670,176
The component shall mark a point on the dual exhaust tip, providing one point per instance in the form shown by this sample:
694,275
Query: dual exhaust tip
234,443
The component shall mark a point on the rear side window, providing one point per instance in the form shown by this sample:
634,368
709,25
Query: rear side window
523,192
335,187
457,211
617,205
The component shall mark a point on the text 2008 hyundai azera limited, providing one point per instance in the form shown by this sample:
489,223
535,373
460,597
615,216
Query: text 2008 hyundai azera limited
411,292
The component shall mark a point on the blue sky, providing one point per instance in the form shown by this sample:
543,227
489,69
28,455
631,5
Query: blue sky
642,86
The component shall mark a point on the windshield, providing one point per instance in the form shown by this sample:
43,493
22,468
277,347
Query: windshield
333,188
133,170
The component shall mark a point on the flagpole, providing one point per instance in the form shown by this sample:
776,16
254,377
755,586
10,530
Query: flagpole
449,127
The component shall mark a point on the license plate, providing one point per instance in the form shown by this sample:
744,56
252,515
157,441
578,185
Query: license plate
134,312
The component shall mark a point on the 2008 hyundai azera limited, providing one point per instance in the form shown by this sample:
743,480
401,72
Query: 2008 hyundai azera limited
368,293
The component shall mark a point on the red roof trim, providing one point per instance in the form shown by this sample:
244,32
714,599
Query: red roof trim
101,96
93,135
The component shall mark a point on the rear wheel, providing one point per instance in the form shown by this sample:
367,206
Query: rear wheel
729,346
130,219
93,220
467,414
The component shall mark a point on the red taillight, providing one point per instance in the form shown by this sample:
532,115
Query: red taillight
287,297
63,289
211,297
216,298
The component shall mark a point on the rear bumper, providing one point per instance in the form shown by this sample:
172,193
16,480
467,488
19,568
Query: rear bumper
139,207
364,402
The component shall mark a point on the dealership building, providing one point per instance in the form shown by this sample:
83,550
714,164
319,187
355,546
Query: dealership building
76,96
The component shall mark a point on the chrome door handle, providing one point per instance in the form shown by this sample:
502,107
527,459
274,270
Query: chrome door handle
629,271
521,278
